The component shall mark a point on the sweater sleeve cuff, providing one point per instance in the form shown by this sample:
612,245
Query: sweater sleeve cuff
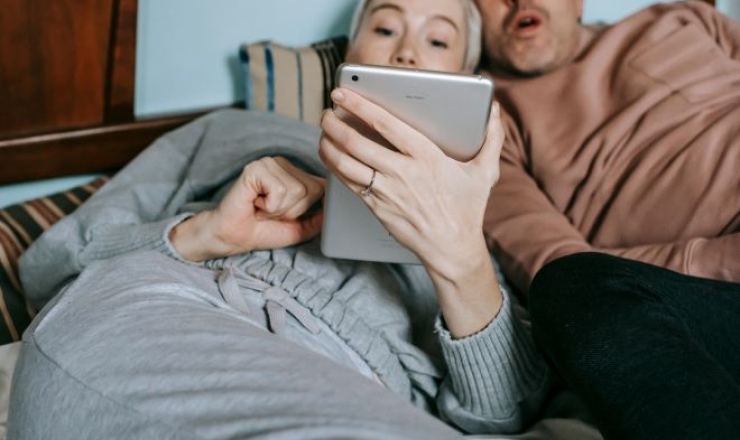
109,241
494,371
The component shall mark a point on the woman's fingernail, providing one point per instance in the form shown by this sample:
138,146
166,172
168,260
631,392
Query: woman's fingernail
496,108
337,95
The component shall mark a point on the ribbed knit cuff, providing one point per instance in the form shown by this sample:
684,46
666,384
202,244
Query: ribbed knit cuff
109,241
494,370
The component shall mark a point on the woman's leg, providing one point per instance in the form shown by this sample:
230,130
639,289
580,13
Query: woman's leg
143,347
655,354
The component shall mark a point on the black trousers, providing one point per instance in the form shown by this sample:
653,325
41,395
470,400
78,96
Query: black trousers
653,353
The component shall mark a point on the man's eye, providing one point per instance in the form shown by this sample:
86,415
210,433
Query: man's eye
383,31
439,43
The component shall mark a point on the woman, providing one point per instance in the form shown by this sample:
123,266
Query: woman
163,334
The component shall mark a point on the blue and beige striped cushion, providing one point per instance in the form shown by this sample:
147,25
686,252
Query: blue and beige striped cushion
293,82
19,225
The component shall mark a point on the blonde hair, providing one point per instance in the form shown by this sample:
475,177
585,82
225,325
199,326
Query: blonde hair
472,17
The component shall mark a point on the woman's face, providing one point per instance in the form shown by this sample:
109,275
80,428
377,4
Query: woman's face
422,34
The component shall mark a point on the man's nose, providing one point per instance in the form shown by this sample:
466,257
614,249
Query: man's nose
520,3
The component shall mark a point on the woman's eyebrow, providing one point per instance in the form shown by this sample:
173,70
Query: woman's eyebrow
446,19
386,6
395,7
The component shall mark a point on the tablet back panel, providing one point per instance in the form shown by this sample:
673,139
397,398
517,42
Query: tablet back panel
451,109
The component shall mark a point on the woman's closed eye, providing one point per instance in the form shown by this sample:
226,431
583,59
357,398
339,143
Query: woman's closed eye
441,35
441,44
384,31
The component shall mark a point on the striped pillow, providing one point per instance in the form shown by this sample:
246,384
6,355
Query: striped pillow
294,82
19,225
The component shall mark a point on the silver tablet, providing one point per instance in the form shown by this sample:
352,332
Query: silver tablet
450,109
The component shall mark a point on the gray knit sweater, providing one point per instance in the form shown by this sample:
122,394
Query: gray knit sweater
491,382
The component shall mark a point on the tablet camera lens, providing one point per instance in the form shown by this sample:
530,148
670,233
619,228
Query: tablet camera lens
355,78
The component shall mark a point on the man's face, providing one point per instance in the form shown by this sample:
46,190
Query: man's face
530,37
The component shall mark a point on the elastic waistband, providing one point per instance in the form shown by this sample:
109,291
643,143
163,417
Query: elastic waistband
366,340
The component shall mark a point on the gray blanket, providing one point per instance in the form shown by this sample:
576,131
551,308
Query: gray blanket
491,382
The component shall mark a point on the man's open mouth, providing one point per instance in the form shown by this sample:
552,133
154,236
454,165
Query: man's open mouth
528,22
525,23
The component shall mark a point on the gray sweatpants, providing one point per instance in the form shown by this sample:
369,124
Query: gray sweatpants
166,354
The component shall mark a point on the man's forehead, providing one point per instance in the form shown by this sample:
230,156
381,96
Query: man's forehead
534,3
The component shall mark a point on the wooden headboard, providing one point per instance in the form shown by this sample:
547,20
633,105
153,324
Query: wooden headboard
67,70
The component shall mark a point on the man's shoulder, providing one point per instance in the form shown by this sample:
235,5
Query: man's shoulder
653,24
675,8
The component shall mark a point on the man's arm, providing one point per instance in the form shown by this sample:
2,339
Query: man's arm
525,231
716,258
522,228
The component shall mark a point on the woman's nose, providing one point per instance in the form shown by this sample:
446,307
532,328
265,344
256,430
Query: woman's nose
405,55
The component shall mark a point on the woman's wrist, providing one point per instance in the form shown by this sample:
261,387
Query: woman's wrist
468,292
456,261
195,240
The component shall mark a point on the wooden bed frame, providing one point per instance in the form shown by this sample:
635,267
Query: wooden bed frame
67,70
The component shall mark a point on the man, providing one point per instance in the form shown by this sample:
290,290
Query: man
620,191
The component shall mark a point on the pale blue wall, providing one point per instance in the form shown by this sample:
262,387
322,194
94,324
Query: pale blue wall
10,194
187,51
730,7
602,10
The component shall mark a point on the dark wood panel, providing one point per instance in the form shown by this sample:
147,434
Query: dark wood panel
53,64
119,106
81,151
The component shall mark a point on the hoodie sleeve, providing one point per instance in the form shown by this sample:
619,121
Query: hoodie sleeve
497,382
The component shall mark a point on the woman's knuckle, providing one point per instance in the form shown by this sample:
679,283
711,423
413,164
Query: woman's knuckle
298,191
279,190
353,141
325,117
379,126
